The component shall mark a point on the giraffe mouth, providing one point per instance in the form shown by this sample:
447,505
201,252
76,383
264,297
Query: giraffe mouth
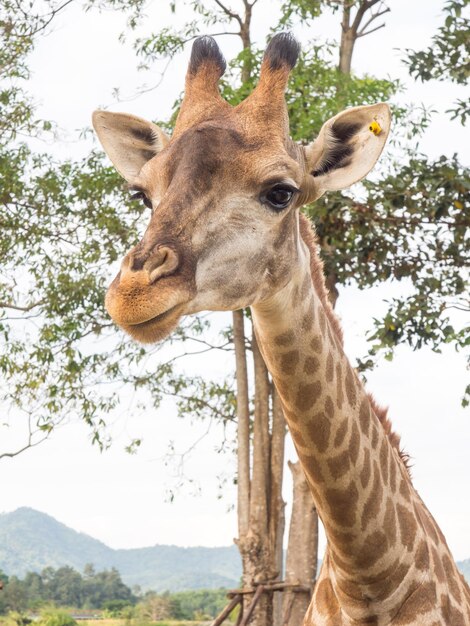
156,328
157,318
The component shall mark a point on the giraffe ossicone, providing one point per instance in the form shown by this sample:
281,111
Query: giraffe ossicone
226,233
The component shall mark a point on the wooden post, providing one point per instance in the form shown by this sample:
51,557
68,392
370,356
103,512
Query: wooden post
226,612
251,608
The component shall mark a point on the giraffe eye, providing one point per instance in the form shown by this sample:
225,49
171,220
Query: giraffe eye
279,196
140,195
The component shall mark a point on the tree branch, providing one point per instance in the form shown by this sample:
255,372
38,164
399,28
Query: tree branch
371,19
9,305
363,34
362,10
228,12
28,446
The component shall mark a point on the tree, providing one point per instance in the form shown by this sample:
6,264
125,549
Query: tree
61,225
14,595
156,607
65,587
448,57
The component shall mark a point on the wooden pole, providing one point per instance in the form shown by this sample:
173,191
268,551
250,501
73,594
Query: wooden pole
226,612
251,608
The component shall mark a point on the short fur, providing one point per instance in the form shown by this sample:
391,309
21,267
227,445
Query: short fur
282,50
205,49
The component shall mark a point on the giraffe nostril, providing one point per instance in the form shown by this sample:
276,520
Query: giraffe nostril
163,263
133,262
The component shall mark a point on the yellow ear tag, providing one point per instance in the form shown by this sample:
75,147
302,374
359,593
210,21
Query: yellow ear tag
375,128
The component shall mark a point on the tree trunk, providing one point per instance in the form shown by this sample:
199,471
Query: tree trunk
277,505
302,554
261,533
347,40
243,423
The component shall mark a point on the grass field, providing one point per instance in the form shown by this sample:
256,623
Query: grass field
123,622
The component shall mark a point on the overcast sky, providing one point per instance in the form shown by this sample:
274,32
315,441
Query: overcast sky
122,499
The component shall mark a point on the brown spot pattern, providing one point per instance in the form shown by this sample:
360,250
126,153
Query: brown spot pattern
374,548
408,527
285,339
384,460
289,361
393,473
341,431
375,437
307,321
451,579
429,527
322,319
319,429
354,443
390,521
366,469
364,416
307,395
329,368
422,556
339,387
329,407
311,365
317,345
373,502
339,464
350,386
343,503
404,490
312,467
437,566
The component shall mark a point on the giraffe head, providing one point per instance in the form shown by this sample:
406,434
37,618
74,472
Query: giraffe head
225,191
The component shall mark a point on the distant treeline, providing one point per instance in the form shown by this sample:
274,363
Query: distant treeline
104,591
64,587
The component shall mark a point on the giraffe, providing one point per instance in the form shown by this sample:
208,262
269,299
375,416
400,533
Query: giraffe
226,233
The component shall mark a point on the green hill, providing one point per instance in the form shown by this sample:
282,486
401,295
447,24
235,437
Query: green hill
30,541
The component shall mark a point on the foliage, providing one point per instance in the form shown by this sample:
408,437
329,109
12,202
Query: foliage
64,587
56,617
200,604
448,56
411,226
14,618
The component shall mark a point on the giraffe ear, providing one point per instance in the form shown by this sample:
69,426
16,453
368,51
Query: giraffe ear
129,141
348,147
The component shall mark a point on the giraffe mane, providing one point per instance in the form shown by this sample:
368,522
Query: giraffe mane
310,239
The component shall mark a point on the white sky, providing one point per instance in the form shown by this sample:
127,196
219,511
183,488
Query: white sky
120,499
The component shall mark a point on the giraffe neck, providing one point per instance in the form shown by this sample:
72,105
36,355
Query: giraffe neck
360,486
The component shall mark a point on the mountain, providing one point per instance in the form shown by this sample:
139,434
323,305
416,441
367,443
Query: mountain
30,541
464,567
